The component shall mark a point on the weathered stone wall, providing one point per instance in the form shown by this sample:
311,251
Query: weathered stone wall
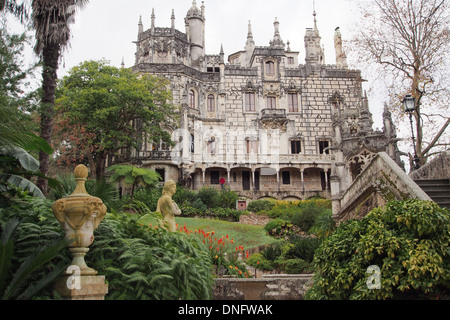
381,181
254,219
437,168
279,287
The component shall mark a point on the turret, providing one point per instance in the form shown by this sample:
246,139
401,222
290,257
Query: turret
314,51
341,58
277,42
195,30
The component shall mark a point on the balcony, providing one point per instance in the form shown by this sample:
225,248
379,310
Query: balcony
274,118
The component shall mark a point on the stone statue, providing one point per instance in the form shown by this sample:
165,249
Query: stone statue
167,207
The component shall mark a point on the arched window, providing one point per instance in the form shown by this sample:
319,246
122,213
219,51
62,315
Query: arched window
192,103
211,103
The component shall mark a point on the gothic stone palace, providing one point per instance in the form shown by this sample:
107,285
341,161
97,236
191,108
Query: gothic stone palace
265,123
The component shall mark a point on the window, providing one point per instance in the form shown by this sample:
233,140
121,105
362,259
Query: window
252,146
192,99
290,60
324,144
250,101
161,172
286,177
296,146
214,177
191,140
211,103
293,102
271,102
211,146
270,68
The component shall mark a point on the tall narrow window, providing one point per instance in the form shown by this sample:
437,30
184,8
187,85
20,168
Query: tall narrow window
270,68
211,103
323,145
192,99
290,60
293,102
252,146
296,146
271,102
211,147
250,101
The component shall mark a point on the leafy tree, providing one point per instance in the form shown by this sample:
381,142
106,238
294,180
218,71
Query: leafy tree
409,40
134,176
118,109
408,241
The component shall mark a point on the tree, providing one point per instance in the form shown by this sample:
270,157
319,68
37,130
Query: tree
17,139
51,20
407,241
117,109
410,40
134,176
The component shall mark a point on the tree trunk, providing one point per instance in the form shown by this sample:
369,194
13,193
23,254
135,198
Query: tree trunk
100,165
50,54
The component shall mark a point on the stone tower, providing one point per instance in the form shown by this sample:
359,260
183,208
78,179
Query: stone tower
195,31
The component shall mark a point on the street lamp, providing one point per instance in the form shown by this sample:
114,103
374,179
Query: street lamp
409,104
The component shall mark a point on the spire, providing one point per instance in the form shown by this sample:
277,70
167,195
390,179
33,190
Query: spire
173,19
153,20
277,42
123,63
140,25
222,54
250,42
314,15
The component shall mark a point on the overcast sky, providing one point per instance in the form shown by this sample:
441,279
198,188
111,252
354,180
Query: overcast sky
107,28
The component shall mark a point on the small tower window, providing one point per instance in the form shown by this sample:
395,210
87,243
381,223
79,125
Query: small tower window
271,102
296,146
211,103
270,68
192,103
323,147
293,102
249,101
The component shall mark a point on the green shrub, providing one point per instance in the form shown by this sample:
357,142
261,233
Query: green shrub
257,206
257,260
295,266
143,262
408,241
209,196
306,216
199,206
305,247
277,227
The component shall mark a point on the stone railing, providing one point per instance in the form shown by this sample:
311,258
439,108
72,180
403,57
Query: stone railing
381,181
273,287
437,168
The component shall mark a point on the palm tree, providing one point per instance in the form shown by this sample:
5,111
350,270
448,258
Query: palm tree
51,20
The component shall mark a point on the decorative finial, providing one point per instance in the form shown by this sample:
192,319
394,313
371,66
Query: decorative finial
80,172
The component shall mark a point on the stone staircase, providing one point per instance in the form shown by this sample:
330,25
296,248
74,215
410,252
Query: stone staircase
437,189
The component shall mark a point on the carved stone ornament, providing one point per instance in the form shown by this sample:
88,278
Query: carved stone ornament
79,215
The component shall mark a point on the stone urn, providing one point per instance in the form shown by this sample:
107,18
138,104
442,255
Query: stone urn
79,215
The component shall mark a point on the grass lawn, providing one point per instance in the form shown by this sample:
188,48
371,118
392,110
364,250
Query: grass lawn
248,236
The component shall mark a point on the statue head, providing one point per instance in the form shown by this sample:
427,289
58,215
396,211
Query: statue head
170,187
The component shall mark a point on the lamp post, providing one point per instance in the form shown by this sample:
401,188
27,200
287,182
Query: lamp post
409,104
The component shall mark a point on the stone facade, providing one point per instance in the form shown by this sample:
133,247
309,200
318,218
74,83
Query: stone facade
271,126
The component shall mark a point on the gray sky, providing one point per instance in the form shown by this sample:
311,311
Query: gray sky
107,29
